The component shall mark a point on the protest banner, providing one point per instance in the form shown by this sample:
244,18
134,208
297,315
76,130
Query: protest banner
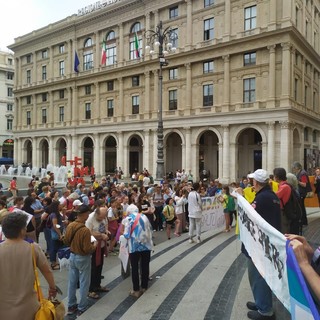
212,214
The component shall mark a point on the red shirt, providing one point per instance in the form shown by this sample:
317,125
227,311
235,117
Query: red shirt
283,193
13,184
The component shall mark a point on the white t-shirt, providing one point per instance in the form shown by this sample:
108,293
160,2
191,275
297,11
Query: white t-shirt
97,226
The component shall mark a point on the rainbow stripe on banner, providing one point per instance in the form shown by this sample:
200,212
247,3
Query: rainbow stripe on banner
302,305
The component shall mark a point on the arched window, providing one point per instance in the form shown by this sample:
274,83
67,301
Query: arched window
135,27
111,35
88,43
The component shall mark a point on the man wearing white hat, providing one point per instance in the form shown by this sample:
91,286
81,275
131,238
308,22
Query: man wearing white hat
267,204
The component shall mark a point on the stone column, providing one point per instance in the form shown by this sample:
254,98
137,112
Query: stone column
75,148
188,151
35,153
68,107
51,64
147,95
220,156
303,70
272,14
155,151
147,52
272,75
233,159
120,114
34,122
121,43
195,161
287,11
34,68
156,18
70,57
146,149
285,70
69,148
52,152
96,153
271,146
18,81
96,106
96,50
285,145
125,153
226,83
51,119
311,88
188,95
16,152
75,107
226,154
188,44
120,153
18,118
227,18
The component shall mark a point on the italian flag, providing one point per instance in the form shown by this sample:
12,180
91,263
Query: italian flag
103,53
136,45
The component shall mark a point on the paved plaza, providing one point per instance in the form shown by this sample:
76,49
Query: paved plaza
190,281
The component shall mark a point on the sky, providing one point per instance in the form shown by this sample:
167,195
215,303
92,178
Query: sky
19,17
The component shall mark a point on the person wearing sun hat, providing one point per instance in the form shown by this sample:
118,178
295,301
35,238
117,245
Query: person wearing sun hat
267,205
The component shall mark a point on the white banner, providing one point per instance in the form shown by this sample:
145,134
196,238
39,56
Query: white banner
267,248
212,214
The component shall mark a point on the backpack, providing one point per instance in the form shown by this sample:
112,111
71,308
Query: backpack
231,206
292,209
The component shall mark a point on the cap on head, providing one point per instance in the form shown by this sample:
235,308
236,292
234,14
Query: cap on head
83,209
77,202
259,175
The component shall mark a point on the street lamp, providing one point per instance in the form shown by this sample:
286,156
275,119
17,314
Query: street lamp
160,42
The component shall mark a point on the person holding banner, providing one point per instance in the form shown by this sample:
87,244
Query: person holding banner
267,205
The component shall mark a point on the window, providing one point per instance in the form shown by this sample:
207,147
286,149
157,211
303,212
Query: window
110,107
28,58
174,38
61,114
10,62
110,85
44,116
87,89
111,54
9,124
88,43
249,59
111,35
314,100
136,27
249,90
9,75
135,104
61,94
88,110
306,94
28,98
28,118
87,60
44,97
208,95
250,18
28,76
173,12
44,54
61,48
135,47
9,107
173,99
208,66
44,72
61,68
135,81
10,92
208,3
295,89
208,33
173,73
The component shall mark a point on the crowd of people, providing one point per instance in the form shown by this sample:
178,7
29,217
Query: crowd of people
90,219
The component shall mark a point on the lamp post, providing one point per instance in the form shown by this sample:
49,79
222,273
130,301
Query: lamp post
160,40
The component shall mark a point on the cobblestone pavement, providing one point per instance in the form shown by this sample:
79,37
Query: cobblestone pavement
190,281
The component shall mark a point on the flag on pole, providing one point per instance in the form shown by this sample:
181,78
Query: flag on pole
103,53
136,45
76,62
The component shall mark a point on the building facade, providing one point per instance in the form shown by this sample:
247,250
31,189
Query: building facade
241,91
6,104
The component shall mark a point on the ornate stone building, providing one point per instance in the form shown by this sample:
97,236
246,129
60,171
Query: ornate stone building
6,104
241,91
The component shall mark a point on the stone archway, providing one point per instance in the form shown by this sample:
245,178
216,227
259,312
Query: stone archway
135,154
61,152
249,151
110,155
44,153
173,155
87,158
28,152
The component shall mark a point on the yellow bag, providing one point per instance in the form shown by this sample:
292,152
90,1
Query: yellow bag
47,310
